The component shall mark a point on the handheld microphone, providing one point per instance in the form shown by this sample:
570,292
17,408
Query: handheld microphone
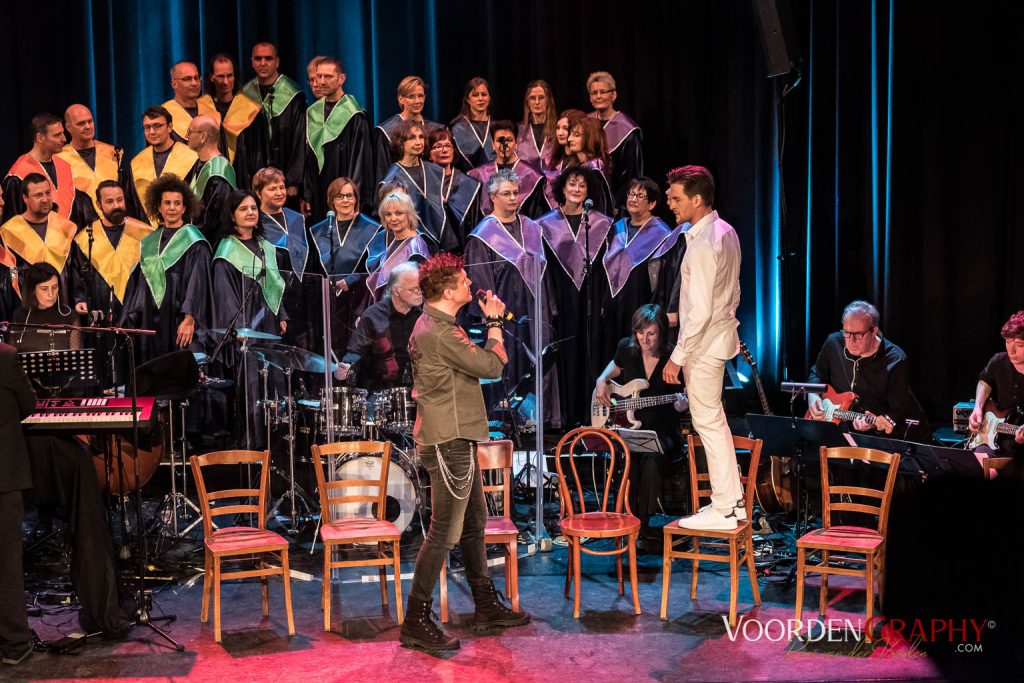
482,294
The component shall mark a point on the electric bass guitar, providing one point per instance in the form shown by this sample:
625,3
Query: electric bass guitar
992,427
836,408
622,410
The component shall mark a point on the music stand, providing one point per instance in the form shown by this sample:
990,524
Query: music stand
925,459
75,366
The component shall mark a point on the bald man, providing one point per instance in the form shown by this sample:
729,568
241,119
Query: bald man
187,85
93,161
213,178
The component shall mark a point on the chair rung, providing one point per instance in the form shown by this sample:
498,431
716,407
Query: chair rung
820,569
233,493
856,491
235,510
276,571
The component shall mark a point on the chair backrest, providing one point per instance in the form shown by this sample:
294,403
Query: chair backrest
592,439
494,456
988,464
700,482
866,500
341,492
261,458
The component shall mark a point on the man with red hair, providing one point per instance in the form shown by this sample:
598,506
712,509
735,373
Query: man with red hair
1002,381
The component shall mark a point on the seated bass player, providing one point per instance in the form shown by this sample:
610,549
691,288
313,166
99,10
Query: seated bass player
870,375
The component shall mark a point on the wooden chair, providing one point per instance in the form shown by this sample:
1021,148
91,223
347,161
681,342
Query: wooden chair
495,456
848,544
737,542
990,464
604,522
349,530
239,543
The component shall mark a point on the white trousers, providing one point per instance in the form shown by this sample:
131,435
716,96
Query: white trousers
704,388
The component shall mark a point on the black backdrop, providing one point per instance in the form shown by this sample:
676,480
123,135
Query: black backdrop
901,150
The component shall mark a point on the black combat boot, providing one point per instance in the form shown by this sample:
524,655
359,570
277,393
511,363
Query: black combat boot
420,630
491,613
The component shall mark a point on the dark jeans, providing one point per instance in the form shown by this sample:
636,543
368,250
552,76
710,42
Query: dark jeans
452,520
14,631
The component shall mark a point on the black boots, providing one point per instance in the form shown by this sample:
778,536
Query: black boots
491,613
420,630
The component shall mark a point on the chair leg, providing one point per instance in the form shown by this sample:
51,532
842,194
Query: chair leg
666,574
382,574
632,572
568,566
869,576
695,571
286,577
752,571
512,574
325,593
734,580
618,566
576,576
265,588
204,615
799,586
397,559
823,596
880,576
216,599
444,592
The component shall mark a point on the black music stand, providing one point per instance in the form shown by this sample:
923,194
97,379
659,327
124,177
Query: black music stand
927,460
74,367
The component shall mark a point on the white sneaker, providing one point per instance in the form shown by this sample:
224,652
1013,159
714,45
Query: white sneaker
710,519
740,510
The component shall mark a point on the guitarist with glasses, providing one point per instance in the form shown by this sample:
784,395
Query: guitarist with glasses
869,378
999,398
642,356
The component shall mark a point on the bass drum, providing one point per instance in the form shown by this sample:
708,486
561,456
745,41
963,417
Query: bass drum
405,503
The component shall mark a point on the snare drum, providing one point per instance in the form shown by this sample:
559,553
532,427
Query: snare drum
348,411
395,409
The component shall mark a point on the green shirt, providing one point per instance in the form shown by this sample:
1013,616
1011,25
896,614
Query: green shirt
447,368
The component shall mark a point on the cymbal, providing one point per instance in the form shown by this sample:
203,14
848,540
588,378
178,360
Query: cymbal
246,333
293,357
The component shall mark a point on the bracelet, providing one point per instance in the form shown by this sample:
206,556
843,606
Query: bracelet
493,323
493,319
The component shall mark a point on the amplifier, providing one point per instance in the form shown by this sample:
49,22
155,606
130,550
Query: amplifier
962,416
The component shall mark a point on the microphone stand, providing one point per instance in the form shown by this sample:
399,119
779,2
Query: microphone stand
588,301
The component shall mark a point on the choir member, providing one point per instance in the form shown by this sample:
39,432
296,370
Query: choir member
625,139
171,288
213,177
45,302
587,147
536,138
471,129
459,192
567,239
505,255
412,95
278,136
314,87
342,242
629,269
532,184
93,161
47,142
237,111
161,155
338,138
422,181
398,241
560,157
187,85
10,289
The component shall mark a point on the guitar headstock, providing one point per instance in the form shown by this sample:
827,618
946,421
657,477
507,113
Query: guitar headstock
747,356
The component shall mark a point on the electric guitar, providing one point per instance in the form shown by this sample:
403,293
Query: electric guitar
836,408
992,427
621,411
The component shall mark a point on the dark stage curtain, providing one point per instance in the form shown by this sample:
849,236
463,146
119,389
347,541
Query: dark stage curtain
901,150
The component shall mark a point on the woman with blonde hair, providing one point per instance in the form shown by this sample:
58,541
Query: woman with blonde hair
396,242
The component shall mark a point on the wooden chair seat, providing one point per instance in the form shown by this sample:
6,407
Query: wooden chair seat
239,540
500,526
600,524
359,530
849,538
673,529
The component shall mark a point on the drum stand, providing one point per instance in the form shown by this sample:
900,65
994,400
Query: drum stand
175,498
293,488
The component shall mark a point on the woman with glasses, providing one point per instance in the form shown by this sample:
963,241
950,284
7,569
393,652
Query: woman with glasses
459,192
567,239
536,137
625,139
471,129
397,242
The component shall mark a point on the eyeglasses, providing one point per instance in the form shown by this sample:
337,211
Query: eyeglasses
642,196
413,290
345,196
189,79
857,336
508,194
601,92
153,126
443,147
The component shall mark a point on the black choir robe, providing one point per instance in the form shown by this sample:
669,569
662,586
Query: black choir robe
385,253
472,149
665,266
534,200
277,135
10,290
423,184
301,294
626,150
382,154
628,274
56,247
338,145
506,260
342,249
172,279
565,246
107,163
236,116
212,182
180,162
461,197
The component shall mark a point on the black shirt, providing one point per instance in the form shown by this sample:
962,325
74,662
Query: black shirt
114,233
1007,393
629,358
160,160
380,346
88,156
51,170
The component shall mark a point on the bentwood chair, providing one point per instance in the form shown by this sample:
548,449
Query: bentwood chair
737,544
352,511
494,459
990,465
239,543
841,546
610,519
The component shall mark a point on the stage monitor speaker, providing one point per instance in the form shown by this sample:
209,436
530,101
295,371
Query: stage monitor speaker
778,36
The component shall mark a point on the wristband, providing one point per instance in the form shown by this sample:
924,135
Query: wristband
493,323
493,319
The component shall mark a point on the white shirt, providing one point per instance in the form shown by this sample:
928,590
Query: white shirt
709,292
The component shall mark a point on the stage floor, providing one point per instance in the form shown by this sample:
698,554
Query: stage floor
607,643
